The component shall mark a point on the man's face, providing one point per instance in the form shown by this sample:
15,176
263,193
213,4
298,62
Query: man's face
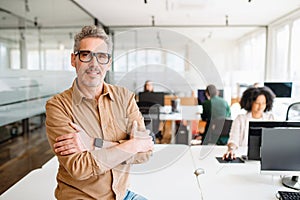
90,73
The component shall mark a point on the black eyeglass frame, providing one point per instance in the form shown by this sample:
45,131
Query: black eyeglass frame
93,55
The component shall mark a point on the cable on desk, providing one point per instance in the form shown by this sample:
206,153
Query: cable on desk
197,173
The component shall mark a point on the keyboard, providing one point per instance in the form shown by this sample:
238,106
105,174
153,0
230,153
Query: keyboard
289,195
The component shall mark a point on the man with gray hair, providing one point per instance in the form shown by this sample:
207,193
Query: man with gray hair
94,128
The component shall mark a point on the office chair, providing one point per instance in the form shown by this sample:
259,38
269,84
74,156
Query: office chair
217,131
151,120
293,112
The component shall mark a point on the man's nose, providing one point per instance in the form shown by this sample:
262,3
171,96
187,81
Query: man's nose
94,59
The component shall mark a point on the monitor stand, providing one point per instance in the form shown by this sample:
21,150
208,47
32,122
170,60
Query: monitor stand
291,182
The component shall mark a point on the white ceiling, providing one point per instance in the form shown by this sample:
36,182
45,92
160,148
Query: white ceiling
188,12
198,19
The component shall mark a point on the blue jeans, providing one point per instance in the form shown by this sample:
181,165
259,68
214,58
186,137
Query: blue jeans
132,196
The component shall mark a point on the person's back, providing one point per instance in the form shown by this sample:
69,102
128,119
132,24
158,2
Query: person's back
214,108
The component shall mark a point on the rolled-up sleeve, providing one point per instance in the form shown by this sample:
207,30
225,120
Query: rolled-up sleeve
135,114
109,158
79,165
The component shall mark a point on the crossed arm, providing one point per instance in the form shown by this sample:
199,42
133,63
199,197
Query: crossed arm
80,141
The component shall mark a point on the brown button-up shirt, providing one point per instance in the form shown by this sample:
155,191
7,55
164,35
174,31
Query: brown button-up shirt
80,175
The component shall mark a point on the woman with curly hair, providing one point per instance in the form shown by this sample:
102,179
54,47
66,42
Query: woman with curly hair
257,102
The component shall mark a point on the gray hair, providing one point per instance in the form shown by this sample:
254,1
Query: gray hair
92,31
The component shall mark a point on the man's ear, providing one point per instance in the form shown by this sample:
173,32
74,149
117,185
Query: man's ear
73,59
109,64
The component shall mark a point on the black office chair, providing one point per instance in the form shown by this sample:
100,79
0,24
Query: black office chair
217,131
293,112
151,119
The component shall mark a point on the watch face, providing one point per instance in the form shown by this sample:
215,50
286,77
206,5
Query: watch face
98,142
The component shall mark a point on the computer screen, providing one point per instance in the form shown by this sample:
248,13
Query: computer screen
151,98
280,154
280,89
254,135
201,96
221,93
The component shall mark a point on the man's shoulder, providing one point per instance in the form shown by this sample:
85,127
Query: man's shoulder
63,96
118,90
218,98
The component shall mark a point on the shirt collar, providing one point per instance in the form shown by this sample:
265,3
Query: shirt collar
107,91
78,96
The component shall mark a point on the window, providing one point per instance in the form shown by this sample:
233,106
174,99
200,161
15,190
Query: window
15,59
3,55
252,52
33,60
175,62
281,53
56,59
295,49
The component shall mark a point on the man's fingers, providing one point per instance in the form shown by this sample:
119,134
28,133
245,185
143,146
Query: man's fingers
144,137
134,128
68,152
75,126
65,137
141,134
62,143
63,148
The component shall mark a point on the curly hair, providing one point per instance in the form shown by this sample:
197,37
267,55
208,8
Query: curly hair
250,95
92,31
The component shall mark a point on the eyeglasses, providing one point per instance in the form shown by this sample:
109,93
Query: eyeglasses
86,56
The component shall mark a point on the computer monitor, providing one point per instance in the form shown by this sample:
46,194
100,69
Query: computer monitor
254,135
148,99
221,93
280,154
280,89
201,96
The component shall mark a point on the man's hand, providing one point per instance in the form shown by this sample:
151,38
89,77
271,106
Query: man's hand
142,141
73,142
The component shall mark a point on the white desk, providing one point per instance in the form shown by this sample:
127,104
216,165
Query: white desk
170,175
38,184
233,181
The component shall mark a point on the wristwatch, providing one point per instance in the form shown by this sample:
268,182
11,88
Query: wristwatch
98,142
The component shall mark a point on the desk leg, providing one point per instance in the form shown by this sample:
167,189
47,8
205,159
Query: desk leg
173,130
25,126
189,132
